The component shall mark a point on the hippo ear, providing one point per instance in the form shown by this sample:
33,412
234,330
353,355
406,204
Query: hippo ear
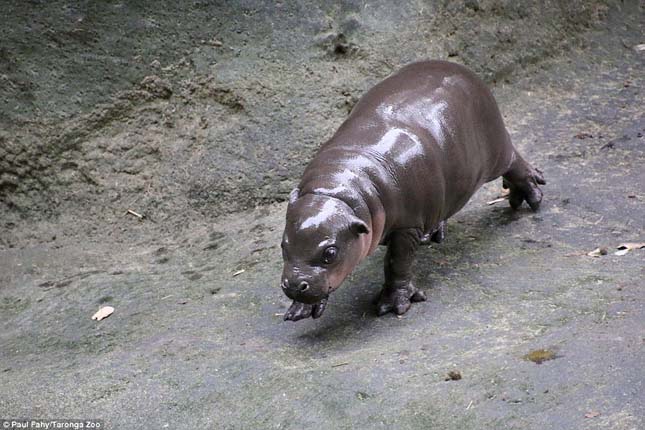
359,227
293,196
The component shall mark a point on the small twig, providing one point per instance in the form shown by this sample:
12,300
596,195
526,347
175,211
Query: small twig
340,364
239,272
469,405
131,212
501,199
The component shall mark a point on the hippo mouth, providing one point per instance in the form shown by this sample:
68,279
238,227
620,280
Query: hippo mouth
299,310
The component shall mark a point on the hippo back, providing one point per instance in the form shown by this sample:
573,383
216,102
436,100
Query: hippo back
421,142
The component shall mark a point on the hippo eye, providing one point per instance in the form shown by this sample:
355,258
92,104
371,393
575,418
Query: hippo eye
329,254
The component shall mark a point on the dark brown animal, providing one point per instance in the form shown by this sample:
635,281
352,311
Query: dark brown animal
410,155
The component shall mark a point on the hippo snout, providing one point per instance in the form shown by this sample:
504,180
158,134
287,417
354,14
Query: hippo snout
302,291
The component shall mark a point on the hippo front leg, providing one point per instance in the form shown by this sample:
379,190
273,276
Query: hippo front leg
522,180
399,292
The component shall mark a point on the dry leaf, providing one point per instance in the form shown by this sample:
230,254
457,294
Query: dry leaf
631,245
597,252
104,312
592,414
539,356
624,248
640,47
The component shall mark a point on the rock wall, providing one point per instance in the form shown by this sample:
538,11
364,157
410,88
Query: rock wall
198,108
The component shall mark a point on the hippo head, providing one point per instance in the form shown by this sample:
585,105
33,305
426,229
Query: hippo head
323,241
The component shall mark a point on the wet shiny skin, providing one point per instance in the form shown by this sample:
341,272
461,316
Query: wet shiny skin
321,222
411,154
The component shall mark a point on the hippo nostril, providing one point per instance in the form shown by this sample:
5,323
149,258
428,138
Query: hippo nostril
304,286
285,284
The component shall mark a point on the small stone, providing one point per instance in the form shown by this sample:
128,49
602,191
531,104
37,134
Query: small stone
361,395
453,375
472,4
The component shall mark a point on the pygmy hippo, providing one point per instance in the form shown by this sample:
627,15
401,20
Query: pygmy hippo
412,152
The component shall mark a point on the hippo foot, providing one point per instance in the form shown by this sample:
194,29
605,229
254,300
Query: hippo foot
437,235
398,300
299,311
525,188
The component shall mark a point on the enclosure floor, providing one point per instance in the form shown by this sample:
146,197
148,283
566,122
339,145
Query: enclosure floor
197,338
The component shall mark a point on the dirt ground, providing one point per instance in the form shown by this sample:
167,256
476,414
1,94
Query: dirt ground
202,117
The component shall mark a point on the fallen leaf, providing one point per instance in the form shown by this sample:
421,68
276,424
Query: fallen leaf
624,248
597,252
592,414
102,313
539,356
640,47
631,245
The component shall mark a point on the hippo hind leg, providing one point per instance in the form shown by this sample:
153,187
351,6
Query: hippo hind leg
522,180
437,235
